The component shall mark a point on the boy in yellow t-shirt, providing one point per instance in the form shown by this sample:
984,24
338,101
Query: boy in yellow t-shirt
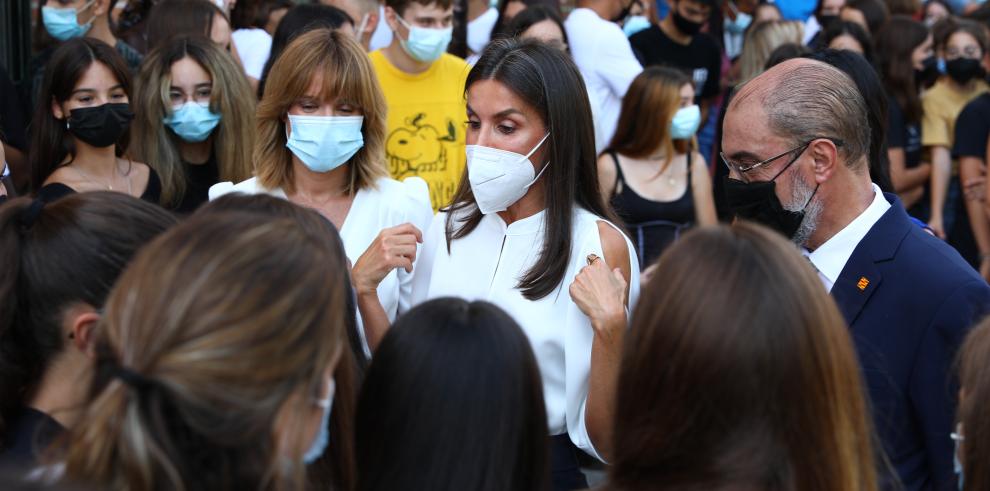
424,88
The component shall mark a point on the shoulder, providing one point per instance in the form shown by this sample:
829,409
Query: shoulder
249,186
647,36
454,65
606,163
613,243
53,191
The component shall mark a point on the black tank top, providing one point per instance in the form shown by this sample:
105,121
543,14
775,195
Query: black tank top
653,225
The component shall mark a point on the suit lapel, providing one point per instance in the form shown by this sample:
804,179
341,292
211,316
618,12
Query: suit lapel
861,277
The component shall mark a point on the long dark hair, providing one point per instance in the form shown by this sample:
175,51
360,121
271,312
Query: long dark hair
867,82
874,11
52,256
547,80
896,41
177,17
51,143
709,398
453,401
296,22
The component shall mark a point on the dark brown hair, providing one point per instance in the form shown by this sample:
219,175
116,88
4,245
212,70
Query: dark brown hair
874,11
51,143
712,398
943,30
647,109
895,43
176,17
54,255
974,377
399,6
547,80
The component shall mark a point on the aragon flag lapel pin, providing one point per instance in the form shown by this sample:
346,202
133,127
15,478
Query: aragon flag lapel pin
863,283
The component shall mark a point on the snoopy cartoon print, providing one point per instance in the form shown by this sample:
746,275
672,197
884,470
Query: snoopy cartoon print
418,148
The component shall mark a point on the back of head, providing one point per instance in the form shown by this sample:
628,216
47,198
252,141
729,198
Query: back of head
762,39
647,110
452,401
51,142
54,256
868,84
210,353
784,52
708,398
297,21
974,377
230,96
345,72
805,99
170,18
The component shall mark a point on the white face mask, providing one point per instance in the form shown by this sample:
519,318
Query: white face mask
322,438
499,178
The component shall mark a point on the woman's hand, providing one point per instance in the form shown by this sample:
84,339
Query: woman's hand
394,247
600,293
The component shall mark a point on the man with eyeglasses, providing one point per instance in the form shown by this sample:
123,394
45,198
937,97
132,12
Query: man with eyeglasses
796,142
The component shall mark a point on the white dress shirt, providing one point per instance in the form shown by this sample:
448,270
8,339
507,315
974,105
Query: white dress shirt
602,53
391,203
832,256
487,264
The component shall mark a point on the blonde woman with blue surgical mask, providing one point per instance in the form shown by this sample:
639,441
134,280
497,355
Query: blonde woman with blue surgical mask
195,125
321,144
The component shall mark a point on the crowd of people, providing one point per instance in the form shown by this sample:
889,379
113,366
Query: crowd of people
512,245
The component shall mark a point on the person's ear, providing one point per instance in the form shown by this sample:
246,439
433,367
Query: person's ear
100,8
83,332
57,110
372,25
825,154
391,19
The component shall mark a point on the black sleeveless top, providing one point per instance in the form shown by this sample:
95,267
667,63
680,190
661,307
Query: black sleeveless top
152,192
653,225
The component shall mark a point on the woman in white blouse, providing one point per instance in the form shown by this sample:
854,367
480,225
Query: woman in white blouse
529,231
321,140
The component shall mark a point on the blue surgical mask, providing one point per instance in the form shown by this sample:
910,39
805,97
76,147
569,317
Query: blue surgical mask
192,121
63,24
740,24
685,123
635,24
425,45
324,143
322,438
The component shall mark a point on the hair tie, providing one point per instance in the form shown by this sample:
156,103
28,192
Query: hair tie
29,215
135,380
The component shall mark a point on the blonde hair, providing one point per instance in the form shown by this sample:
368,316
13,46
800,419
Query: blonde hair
231,97
347,73
760,42
204,346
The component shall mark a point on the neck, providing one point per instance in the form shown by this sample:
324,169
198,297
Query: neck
101,31
95,161
196,153
476,8
958,87
64,386
600,8
319,185
401,60
530,204
855,195
670,29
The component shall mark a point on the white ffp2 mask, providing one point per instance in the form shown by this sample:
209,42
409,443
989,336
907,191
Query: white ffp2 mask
499,178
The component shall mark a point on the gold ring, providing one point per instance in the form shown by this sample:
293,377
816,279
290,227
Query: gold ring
591,259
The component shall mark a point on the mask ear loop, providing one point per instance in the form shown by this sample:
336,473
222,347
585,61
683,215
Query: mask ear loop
789,164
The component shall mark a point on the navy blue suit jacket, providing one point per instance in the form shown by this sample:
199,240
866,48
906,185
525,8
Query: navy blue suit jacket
909,300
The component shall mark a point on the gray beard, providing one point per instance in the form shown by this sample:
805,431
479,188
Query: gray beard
802,192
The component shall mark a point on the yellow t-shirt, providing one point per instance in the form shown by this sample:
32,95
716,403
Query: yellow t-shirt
941,106
426,115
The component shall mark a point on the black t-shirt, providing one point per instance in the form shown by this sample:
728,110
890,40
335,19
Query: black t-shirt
701,59
199,178
973,128
902,134
30,434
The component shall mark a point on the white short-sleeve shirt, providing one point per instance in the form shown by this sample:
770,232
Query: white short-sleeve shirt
388,204
253,47
487,264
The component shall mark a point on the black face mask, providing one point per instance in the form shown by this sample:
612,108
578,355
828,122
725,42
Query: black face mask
928,74
683,24
962,70
825,20
758,202
100,126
